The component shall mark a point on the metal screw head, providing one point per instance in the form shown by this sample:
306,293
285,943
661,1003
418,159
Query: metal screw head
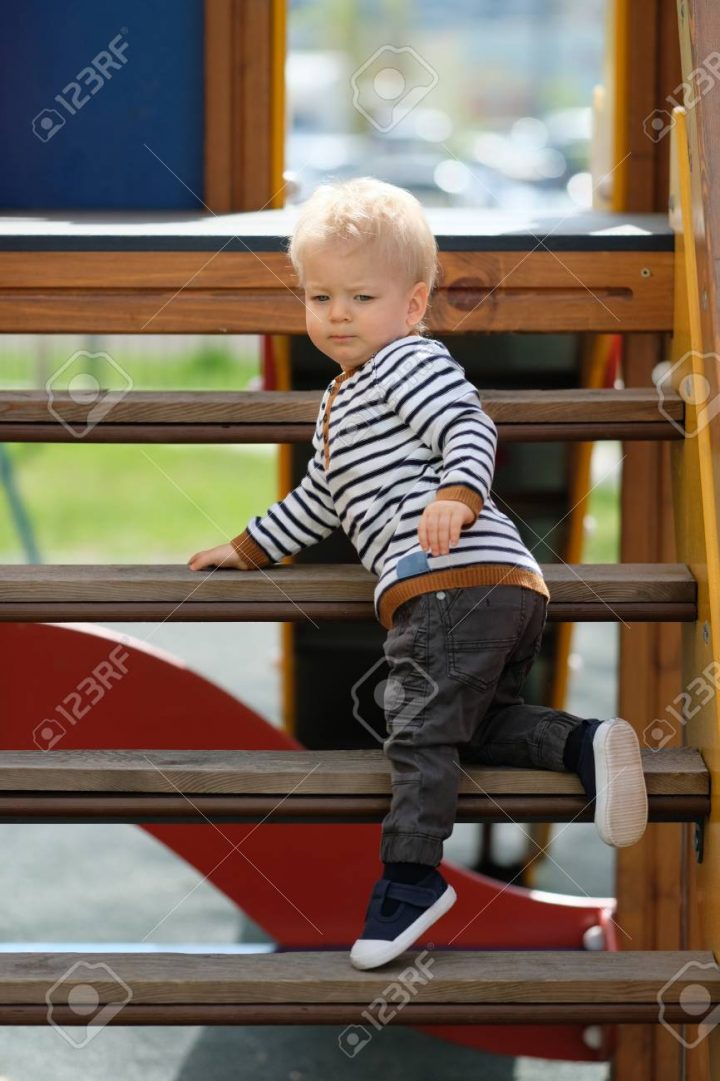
645,272
706,632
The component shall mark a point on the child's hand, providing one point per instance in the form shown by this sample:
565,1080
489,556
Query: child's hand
222,556
440,524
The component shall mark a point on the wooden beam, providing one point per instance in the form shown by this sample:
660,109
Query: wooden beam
243,293
244,104
671,771
297,987
290,417
29,592
645,56
308,786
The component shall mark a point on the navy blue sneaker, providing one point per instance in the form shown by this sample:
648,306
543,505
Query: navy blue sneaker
385,937
610,768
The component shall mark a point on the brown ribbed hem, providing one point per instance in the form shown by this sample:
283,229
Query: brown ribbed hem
249,550
463,494
479,574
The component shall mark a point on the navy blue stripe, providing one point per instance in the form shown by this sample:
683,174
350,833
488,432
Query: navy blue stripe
308,510
274,516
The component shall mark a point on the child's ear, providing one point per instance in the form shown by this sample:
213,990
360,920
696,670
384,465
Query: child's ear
417,302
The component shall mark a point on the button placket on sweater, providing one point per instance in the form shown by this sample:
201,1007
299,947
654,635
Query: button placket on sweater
337,383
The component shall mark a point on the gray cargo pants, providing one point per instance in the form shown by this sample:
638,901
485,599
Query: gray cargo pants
458,659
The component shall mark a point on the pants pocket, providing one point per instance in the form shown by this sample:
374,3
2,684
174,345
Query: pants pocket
482,626
479,664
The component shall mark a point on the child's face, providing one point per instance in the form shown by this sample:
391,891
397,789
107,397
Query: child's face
354,305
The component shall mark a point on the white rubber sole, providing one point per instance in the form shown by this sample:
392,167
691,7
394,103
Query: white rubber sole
621,804
371,952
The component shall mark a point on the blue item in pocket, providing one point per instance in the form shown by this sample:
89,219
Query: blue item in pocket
412,563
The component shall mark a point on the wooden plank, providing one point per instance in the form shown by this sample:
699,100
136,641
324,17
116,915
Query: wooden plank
674,771
243,293
523,405
289,417
603,592
141,808
109,432
304,786
293,987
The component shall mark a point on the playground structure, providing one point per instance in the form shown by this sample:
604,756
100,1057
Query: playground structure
540,975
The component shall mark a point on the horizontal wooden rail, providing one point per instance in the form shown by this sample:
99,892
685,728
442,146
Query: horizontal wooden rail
204,273
308,786
290,416
321,987
641,592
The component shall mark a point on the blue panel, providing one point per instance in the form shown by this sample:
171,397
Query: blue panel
138,72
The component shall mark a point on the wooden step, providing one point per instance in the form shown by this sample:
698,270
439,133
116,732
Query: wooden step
321,987
289,417
91,273
290,786
642,592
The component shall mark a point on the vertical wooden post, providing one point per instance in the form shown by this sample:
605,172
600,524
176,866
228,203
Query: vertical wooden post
648,890
648,887
244,104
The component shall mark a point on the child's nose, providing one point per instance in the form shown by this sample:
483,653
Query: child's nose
338,310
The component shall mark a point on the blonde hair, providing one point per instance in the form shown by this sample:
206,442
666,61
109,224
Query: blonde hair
366,210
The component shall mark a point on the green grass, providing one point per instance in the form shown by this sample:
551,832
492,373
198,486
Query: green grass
136,504
602,544
203,367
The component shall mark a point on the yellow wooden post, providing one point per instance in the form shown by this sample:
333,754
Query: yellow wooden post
697,708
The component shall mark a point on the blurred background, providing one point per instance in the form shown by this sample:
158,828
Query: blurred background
505,120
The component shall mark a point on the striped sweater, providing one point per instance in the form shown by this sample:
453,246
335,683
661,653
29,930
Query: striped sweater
403,428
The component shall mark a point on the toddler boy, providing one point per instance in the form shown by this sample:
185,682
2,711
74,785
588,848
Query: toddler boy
403,462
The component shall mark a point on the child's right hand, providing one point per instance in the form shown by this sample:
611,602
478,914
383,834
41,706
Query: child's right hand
222,556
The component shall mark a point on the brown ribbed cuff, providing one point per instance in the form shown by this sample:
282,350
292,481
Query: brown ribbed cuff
250,551
477,574
463,494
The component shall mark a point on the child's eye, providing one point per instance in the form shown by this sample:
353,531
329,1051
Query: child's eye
322,296
364,296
